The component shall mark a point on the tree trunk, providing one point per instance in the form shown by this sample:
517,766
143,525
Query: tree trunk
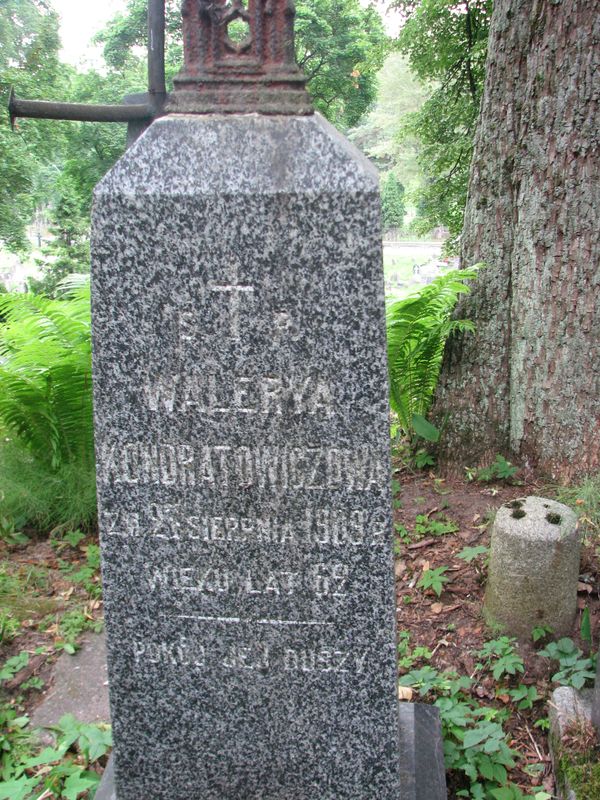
529,380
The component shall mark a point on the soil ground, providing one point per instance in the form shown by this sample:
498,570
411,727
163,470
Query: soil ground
451,626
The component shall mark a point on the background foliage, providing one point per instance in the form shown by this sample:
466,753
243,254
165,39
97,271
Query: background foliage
47,464
48,169
393,208
446,45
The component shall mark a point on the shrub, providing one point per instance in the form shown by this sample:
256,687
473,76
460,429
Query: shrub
47,450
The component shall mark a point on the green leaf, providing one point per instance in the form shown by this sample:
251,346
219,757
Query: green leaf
13,665
78,783
18,789
502,794
425,429
469,554
475,736
48,756
417,329
586,626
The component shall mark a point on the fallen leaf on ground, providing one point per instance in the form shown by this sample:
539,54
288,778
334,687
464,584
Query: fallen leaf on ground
437,608
405,693
400,568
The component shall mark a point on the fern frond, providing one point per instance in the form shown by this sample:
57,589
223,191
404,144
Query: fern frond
45,375
417,329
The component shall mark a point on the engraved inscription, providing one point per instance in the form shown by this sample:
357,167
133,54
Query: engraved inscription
180,652
222,467
249,658
188,652
267,395
324,526
209,580
323,580
120,524
330,580
324,660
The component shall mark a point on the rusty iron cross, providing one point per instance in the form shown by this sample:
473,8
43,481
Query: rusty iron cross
251,69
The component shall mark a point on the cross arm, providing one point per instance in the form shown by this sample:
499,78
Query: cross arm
84,112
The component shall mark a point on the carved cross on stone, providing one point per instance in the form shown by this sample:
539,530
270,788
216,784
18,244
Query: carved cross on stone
257,73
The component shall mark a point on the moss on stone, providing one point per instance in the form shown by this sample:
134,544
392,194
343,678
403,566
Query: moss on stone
582,773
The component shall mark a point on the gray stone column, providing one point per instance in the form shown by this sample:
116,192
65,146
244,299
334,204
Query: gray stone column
243,465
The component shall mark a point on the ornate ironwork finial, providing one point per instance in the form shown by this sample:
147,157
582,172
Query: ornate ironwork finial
239,57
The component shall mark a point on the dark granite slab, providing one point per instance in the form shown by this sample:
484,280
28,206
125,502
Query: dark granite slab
421,753
243,464
421,757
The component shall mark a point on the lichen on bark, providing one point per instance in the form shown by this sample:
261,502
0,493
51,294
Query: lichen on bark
529,380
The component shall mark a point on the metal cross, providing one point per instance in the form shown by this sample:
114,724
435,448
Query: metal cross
220,73
138,110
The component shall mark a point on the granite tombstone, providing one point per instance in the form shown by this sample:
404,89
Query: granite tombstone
242,444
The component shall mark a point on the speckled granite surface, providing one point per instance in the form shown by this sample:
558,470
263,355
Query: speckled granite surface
243,465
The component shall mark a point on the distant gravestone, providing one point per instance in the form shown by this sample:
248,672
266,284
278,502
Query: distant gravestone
243,447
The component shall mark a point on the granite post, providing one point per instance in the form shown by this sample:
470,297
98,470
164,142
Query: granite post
243,457
534,567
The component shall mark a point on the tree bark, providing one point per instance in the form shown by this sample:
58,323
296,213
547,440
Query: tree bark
528,382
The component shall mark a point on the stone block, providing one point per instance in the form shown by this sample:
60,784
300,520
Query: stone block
421,755
567,708
80,687
534,567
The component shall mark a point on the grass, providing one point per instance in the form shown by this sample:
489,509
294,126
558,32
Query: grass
584,499
401,267
24,593
33,493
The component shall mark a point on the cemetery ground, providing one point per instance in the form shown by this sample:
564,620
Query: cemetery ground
50,593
